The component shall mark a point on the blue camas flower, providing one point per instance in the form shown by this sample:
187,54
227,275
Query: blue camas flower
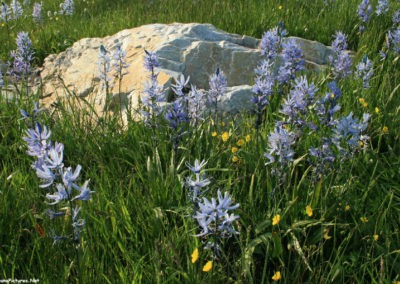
382,7
280,143
196,104
394,39
270,43
347,133
37,13
22,57
341,62
104,65
213,216
365,71
119,64
295,107
5,12
364,12
16,8
196,186
49,167
218,84
67,7
292,61
153,93
150,61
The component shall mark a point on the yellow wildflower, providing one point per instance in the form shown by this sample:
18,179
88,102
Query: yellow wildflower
208,266
234,150
277,276
240,142
214,134
347,208
195,255
280,7
309,211
333,95
326,234
235,159
248,138
276,219
385,130
361,144
376,237
377,110
361,100
364,219
225,136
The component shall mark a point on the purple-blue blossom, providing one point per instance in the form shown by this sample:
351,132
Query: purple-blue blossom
213,216
396,17
67,7
104,65
364,11
328,105
295,106
270,43
280,143
5,12
218,84
365,71
16,8
61,194
292,61
263,86
23,56
85,192
150,61
394,39
176,114
349,131
382,7
196,101
198,185
37,12
119,64
49,167
341,62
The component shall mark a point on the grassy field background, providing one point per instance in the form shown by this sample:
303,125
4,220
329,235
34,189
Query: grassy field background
139,227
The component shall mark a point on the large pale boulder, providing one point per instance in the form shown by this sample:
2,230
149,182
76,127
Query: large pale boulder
195,50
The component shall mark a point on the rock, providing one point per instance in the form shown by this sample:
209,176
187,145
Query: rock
195,50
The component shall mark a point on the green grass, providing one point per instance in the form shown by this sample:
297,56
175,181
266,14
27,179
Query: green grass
138,224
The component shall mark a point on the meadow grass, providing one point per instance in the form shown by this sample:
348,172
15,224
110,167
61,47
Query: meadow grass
138,224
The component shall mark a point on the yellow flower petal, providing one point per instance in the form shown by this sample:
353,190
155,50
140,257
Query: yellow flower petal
277,276
309,211
326,234
240,142
225,136
234,150
235,159
376,237
377,110
276,219
214,134
364,219
208,266
347,208
385,130
195,255
248,138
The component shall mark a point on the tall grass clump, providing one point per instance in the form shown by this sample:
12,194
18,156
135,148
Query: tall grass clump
303,188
